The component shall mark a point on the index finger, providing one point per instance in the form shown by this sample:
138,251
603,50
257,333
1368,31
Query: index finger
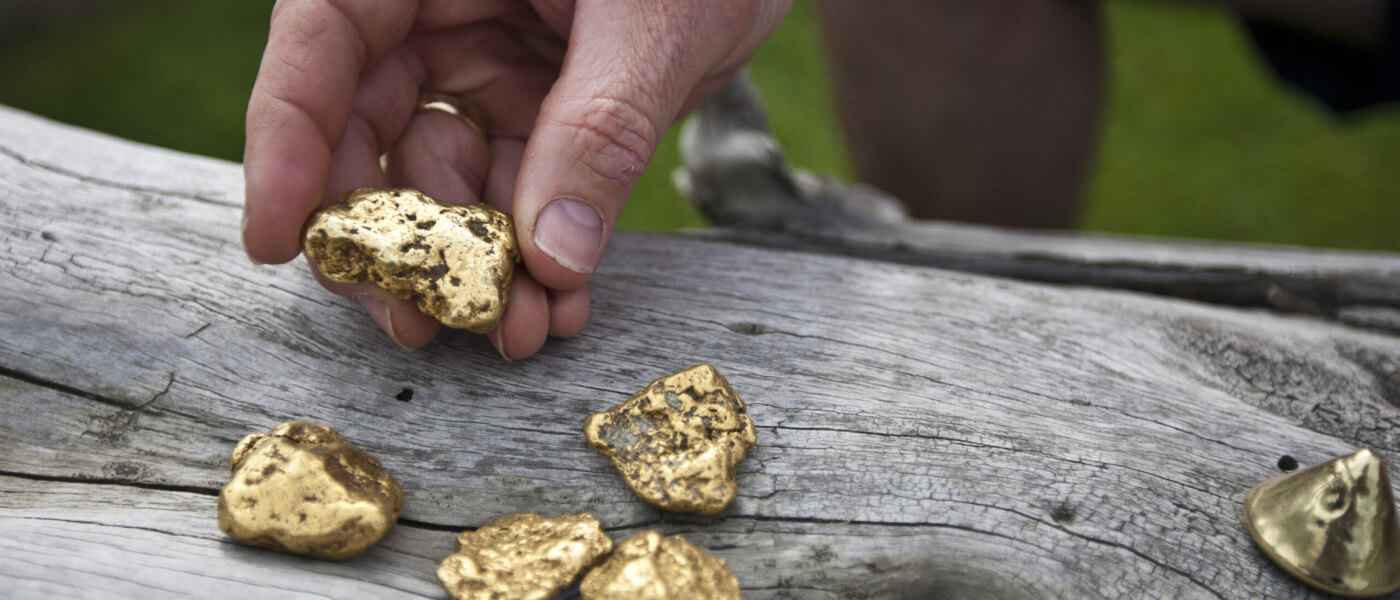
300,104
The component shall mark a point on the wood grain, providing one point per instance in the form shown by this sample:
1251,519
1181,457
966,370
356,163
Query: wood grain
734,172
922,432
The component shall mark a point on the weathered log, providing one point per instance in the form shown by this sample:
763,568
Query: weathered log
736,174
922,433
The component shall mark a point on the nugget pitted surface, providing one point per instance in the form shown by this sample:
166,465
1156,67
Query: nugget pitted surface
677,442
523,556
650,567
302,488
455,261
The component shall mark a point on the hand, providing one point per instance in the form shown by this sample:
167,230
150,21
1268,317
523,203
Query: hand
576,94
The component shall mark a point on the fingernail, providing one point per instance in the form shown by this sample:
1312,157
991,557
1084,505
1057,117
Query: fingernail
495,337
380,312
571,233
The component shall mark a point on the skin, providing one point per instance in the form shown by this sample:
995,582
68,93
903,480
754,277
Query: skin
992,122
991,116
575,94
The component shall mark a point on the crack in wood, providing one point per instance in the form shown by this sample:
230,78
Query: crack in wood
1228,285
118,525
430,526
85,480
29,162
67,389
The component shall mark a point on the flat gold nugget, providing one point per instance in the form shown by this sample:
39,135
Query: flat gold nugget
523,556
455,261
651,567
677,442
302,488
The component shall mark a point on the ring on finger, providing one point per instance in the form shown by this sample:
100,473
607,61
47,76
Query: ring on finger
468,112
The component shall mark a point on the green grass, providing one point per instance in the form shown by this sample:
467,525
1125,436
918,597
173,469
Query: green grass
1199,141
171,73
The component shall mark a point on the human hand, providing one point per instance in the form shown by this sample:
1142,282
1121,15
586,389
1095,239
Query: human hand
575,96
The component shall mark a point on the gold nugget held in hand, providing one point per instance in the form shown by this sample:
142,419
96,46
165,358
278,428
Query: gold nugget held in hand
455,261
523,556
650,567
302,488
678,441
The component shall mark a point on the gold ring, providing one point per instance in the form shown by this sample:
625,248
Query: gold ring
469,113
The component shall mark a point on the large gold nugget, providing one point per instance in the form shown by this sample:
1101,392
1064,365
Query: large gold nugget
523,556
650,567
455,261
303,488
677,442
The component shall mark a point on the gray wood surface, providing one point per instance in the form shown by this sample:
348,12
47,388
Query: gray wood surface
922,433
736,174
1357,288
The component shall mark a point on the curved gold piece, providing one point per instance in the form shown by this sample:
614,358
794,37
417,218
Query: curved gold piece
1332,525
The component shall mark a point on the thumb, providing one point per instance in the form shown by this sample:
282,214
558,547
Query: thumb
625,75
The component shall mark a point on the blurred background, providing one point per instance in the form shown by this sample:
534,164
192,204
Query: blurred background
1199,141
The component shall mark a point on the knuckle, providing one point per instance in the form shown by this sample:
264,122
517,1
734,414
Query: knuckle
615,138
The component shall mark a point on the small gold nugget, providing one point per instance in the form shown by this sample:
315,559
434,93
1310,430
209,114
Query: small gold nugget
1331,525
302,488
677,442
523,556
650,567
455,261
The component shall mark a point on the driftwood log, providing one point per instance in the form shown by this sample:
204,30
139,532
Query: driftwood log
736,174
923,433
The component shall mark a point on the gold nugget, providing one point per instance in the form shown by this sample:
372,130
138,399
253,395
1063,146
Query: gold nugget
455,261
523,556
650,567
302,488
677,442
1332,525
